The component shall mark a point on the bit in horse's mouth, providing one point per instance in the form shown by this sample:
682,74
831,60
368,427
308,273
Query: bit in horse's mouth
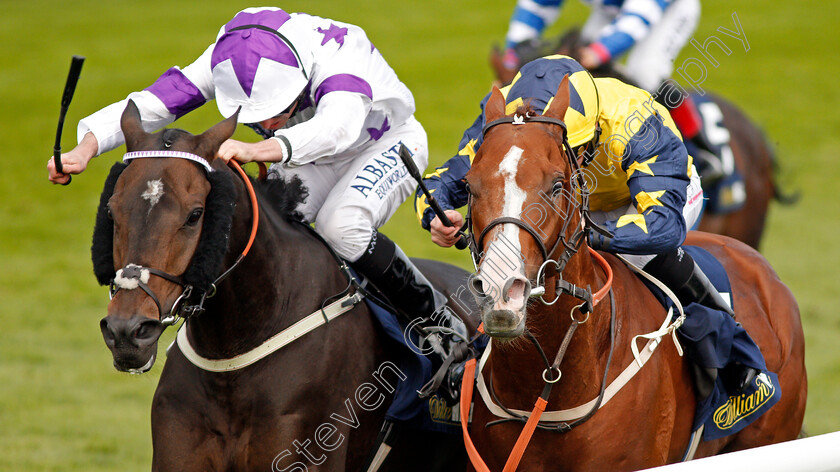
141,370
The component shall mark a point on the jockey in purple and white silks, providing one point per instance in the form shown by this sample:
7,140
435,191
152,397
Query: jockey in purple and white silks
334,114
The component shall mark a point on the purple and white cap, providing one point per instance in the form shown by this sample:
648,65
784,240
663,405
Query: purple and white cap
255,67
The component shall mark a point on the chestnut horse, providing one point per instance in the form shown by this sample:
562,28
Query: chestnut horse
177,233
646,423
753,157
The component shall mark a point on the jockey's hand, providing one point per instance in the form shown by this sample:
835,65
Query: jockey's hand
269,150
74,161
446,236
589,59
598,241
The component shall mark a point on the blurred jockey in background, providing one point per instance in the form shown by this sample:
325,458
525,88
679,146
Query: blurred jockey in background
651,33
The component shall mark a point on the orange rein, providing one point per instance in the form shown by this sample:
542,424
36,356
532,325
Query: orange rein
539,407
255,211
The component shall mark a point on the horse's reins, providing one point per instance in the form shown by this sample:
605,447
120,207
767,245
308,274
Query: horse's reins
134,276
571,247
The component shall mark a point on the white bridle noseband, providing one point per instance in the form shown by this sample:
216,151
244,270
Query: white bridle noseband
179,154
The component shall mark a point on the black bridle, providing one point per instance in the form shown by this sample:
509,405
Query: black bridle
551,374
570,245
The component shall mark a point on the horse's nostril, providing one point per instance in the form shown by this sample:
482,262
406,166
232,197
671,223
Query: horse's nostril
516,288
477,287
107,332
147,331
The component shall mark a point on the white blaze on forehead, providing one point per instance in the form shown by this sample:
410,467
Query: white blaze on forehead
503,256
153,192
514,196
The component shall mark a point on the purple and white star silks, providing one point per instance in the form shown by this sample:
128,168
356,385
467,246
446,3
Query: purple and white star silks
333,32
375,133
245,48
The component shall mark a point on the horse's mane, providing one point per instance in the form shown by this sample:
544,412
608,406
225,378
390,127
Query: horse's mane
284,196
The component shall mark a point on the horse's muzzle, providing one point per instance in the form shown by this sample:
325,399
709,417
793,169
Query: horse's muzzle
503,324
132,341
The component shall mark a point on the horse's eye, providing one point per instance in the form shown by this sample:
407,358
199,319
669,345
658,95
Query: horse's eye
195,216
557,187
110,213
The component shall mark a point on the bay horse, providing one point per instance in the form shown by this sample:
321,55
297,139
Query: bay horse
648,421
753,156
169,223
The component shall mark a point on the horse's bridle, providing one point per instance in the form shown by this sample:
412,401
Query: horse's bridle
135,276
570,246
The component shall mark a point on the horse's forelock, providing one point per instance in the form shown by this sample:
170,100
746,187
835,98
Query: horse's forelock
526,108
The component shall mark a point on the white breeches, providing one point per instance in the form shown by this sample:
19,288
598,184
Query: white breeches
349,197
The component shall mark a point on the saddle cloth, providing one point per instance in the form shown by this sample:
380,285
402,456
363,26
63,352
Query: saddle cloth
714,340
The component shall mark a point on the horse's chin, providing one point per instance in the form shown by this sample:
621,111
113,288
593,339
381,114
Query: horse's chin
136,364
504,324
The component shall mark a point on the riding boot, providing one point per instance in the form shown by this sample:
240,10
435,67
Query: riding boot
412,296
686,279
679,272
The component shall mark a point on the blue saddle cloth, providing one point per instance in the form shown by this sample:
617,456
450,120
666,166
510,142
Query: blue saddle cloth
713,339
407,408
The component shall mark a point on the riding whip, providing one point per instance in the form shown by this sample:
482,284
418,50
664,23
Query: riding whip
415,173
69,89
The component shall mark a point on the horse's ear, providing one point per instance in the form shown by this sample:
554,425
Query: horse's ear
219,133
132,127
560,102
495,106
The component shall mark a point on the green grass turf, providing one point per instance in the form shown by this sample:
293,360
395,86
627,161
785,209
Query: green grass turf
63,407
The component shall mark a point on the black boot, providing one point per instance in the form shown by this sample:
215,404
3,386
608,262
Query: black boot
385,265
679,272
686,279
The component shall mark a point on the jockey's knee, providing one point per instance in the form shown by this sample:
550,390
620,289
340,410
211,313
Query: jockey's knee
672,266
347,233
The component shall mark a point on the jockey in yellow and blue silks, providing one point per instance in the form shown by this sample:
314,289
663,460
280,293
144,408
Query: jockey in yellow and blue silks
644,188
639,158
650,34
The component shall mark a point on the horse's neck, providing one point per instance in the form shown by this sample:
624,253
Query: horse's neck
276,284
519,368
